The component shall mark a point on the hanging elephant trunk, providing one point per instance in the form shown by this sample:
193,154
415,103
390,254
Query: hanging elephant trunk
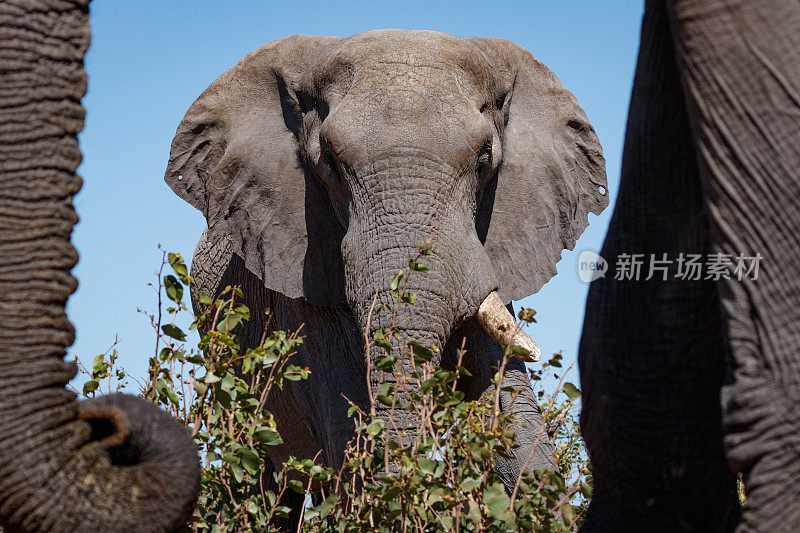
425,303
116,462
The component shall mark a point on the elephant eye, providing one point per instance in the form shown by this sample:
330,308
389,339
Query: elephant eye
322,110
501,101
335,166
304,101
484,162
485,153
310,103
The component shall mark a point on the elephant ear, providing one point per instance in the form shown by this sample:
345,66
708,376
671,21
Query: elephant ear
552,173
236,158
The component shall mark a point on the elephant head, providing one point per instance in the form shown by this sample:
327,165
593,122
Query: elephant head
113,463
327,161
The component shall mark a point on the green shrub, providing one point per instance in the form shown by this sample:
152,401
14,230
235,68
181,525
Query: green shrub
443,480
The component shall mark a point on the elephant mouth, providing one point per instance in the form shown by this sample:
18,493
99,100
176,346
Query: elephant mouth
500,324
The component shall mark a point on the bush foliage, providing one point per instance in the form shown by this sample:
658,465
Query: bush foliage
443,480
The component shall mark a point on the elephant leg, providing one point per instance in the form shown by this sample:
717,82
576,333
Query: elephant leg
535,446
652,352
482,358
214,266
312,413
740,66
332,351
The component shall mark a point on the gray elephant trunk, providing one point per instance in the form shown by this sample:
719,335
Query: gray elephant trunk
115,463
457,280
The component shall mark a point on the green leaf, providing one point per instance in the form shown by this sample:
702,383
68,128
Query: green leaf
164,354
568,513
385,364
90,386
296,486
178,265
384,399
420,352
282,511
328,505
427,466
527,315
413,265
229,322
375,427
571,391
171,330
267,436
174,288
470,484
435,495
200,387
243,310
249,459
409,297
99,362
474,512
496,499
519,350
380,340
396,280
463,371
228,382
238,473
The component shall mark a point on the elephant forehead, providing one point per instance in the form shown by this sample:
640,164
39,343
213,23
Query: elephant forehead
401,52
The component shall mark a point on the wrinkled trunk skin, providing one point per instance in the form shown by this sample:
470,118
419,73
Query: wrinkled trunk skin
709,166
379,243
64,466
384,231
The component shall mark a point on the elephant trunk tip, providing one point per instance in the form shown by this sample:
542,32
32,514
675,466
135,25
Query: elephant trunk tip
499,323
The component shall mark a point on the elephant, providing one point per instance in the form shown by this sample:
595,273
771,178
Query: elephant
321,163
687,382
115,463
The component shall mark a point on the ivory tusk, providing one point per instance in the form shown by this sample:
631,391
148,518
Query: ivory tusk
498,322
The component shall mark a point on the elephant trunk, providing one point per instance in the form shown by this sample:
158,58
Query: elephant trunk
428,322
379,244
112,463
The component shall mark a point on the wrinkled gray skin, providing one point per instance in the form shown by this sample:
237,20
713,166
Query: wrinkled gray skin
321,162
116,463
686,381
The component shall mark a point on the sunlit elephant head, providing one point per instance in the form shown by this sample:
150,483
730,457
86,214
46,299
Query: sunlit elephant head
328,160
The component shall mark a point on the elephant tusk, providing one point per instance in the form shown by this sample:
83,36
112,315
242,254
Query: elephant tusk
498,322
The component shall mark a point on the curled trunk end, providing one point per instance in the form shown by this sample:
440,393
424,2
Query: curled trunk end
115,463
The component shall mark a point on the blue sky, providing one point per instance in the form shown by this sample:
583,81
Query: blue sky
150,59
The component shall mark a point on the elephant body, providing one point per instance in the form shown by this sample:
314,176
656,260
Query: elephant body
687,382
312,413
322,163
